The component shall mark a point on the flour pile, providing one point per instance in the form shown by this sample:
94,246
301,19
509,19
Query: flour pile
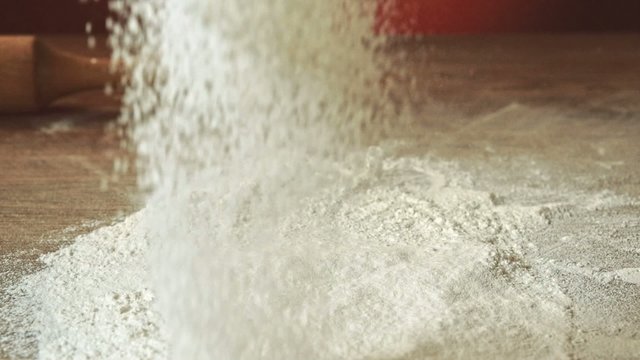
408,260
292,213
90,301
405,260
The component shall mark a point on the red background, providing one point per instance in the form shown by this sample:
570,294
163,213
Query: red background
401,16
491,16
51,16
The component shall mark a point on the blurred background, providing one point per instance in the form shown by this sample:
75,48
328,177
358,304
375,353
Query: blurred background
498,16
394,16
52,16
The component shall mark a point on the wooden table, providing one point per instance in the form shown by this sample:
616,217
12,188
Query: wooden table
53,166
52,170
52,163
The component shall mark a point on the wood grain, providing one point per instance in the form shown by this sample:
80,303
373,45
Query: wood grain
52,170
52,164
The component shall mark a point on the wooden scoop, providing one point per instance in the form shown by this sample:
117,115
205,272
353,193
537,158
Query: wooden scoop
34,74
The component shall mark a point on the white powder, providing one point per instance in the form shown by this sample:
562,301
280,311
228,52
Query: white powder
274,231
90,301
404,256
405,261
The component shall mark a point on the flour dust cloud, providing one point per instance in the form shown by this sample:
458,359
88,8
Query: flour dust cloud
282,224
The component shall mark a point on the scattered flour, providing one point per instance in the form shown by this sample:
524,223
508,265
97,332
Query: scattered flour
58,127
275,230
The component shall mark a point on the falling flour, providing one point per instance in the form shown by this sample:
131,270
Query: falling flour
293,214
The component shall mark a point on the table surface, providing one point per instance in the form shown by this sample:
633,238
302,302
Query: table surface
52,163
52,170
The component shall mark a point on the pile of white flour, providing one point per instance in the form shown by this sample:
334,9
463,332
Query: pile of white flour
291,216
406,261
91,300
406,258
